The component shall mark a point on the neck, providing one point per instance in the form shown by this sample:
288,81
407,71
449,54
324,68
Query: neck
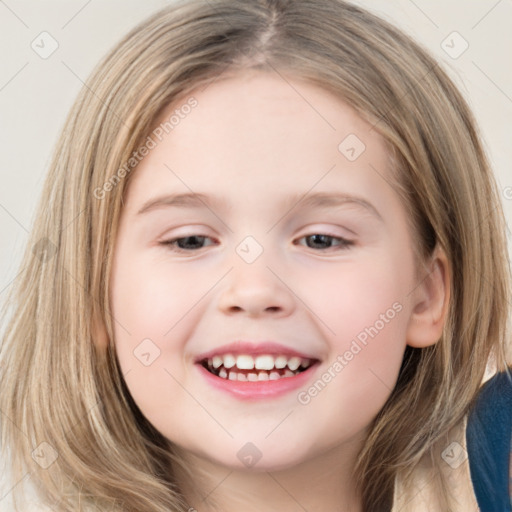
323,483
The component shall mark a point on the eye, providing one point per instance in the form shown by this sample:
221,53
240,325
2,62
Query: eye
322,239
192,243
176,244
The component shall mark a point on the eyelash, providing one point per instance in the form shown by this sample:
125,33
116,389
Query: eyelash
344,243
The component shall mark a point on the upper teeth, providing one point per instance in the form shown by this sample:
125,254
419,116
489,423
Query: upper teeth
261,362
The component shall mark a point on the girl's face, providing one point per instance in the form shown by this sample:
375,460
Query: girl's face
293,236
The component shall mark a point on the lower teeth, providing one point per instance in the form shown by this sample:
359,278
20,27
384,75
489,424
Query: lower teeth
252,376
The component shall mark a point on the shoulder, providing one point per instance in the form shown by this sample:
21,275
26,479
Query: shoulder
425,493
476,455
488,438
496,391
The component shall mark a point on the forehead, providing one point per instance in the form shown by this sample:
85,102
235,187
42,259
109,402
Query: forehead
258,134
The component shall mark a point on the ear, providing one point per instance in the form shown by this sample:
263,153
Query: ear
430,302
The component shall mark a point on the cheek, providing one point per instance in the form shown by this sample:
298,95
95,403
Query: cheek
354,295
156,307
363,310
150,314
149,298
146,305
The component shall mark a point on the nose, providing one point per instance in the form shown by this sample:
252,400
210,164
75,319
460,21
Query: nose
256,289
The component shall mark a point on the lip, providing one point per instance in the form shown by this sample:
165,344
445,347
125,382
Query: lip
253,349
254,390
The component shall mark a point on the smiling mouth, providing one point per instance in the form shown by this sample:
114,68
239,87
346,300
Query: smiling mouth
262,368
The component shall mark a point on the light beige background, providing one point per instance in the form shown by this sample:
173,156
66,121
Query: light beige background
36,93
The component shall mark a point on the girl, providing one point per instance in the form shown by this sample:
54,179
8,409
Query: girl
258,371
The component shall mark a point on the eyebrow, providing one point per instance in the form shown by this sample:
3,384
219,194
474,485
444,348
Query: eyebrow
304,201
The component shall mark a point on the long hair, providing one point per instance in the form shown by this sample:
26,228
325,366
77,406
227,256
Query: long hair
67,416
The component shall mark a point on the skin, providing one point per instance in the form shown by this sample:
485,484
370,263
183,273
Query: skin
254,141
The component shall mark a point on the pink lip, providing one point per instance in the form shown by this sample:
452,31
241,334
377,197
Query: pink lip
251,390
253,349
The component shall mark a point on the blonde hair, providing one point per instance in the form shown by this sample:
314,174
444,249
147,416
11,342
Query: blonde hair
58,385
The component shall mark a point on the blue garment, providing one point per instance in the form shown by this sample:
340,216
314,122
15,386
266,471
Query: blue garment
488,439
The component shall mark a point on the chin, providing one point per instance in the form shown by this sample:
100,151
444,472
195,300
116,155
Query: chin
255,458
